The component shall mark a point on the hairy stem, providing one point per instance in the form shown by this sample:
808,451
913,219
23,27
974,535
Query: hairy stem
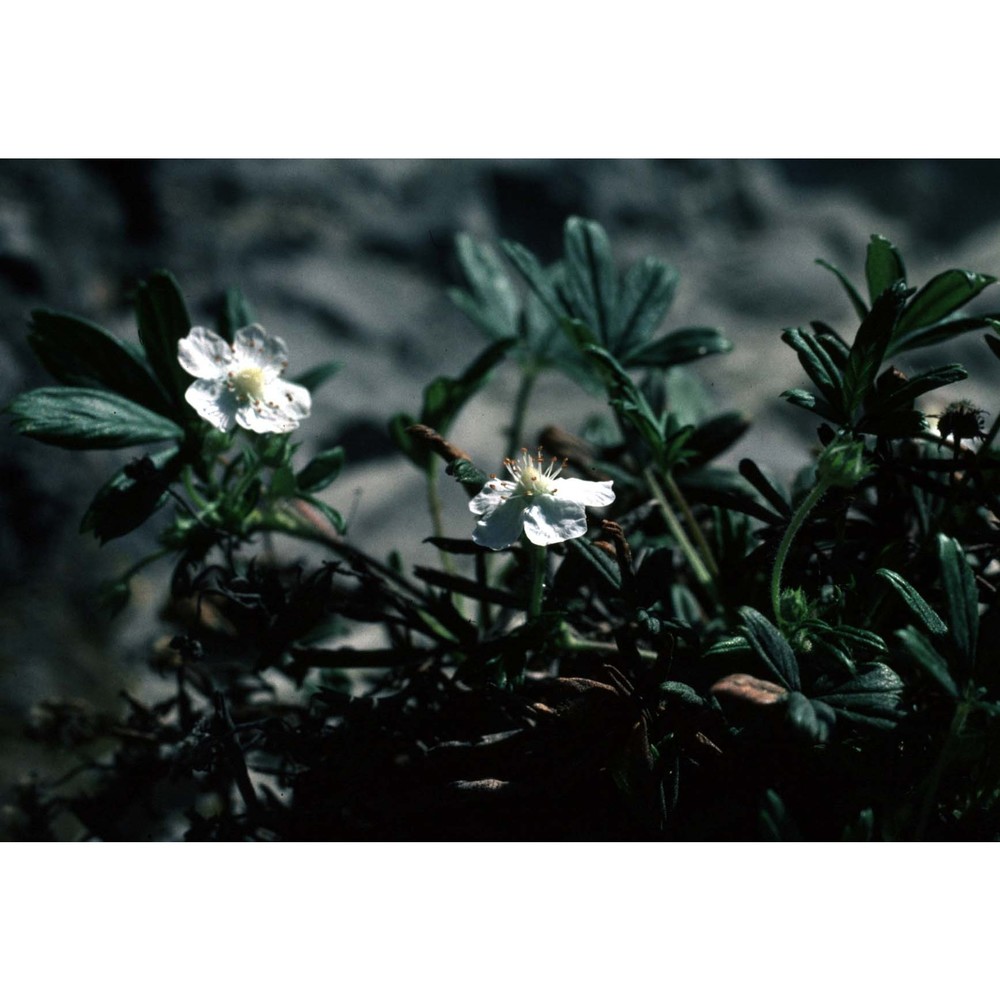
694,559
798,519
537,554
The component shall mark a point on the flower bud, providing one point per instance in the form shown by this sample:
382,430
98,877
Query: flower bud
843,463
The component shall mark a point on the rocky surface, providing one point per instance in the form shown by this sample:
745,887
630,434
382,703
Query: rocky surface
350,260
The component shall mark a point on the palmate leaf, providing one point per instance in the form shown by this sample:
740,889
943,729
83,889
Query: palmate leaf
590,279
912,388
717,435
807,401
536,276
80,353
819,366
754,475
938,332
771,647
679,347
940,297
883,266
852,293
870,345
961,597
626,397
78,418
491,302
874,698
647,292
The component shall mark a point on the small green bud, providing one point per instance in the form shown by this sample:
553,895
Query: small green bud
795,606
843,463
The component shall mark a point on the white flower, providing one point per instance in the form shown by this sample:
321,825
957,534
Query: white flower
547,508
242,384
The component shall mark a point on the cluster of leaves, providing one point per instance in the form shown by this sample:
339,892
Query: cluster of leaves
725,659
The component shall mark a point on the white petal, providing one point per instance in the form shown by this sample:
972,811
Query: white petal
204,354
290,400
261,419
549,520
501,528
490,496
213,402
584,492
252,347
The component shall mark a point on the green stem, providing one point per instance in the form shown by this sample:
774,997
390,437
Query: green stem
699,538
934,781
516,431
537,554
701,572
798,519
572,643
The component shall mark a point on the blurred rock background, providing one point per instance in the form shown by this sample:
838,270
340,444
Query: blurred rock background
350,260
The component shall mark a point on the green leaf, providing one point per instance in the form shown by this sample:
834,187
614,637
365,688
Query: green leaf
852,293
916,386
313,378
774,821
883,267
444,397
962,598
940,297
591,281
647,293
87,418
163,320
919,649
455,584
237,313
626,397
771,647
492,302
80,353
818,365
936,333
993,342
283,483
812,719
534,274
754,475
415,451
464,472
870,345
322,470
715,436
873,698
126,501
335,518
925,614
807,401
679,347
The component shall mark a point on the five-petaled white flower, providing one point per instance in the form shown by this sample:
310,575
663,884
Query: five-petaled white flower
535,499
242,384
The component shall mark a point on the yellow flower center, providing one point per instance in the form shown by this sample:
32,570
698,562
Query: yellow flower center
249,383
530,477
